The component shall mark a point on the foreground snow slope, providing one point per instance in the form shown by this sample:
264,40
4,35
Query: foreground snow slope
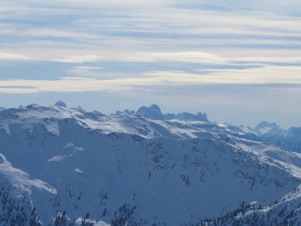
74,167
285,211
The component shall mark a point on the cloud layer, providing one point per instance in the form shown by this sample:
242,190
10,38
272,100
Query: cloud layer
127,46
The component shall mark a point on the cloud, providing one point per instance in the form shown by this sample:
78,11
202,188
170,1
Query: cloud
250,76
59,34
132,56
92,4
13,57
267,60
71,84
150,46
80,58
87,71
265,6
68,32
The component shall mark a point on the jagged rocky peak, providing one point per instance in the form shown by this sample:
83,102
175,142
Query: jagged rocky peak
126,111
153,112
188,116
60,103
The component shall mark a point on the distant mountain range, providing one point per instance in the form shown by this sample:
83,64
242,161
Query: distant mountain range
66,166
154,112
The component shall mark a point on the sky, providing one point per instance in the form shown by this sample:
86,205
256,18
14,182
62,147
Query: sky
238,61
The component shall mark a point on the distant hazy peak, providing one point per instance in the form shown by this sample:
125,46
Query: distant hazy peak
153,112
79,109
60,103
267,128
264,124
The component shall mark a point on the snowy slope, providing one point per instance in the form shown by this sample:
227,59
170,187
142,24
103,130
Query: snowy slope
289,139
75,166
285,211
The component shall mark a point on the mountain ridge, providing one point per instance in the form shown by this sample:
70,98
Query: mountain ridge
130,169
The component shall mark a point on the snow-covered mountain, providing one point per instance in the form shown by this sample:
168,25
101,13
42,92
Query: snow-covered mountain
61,166
267,129
271,133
